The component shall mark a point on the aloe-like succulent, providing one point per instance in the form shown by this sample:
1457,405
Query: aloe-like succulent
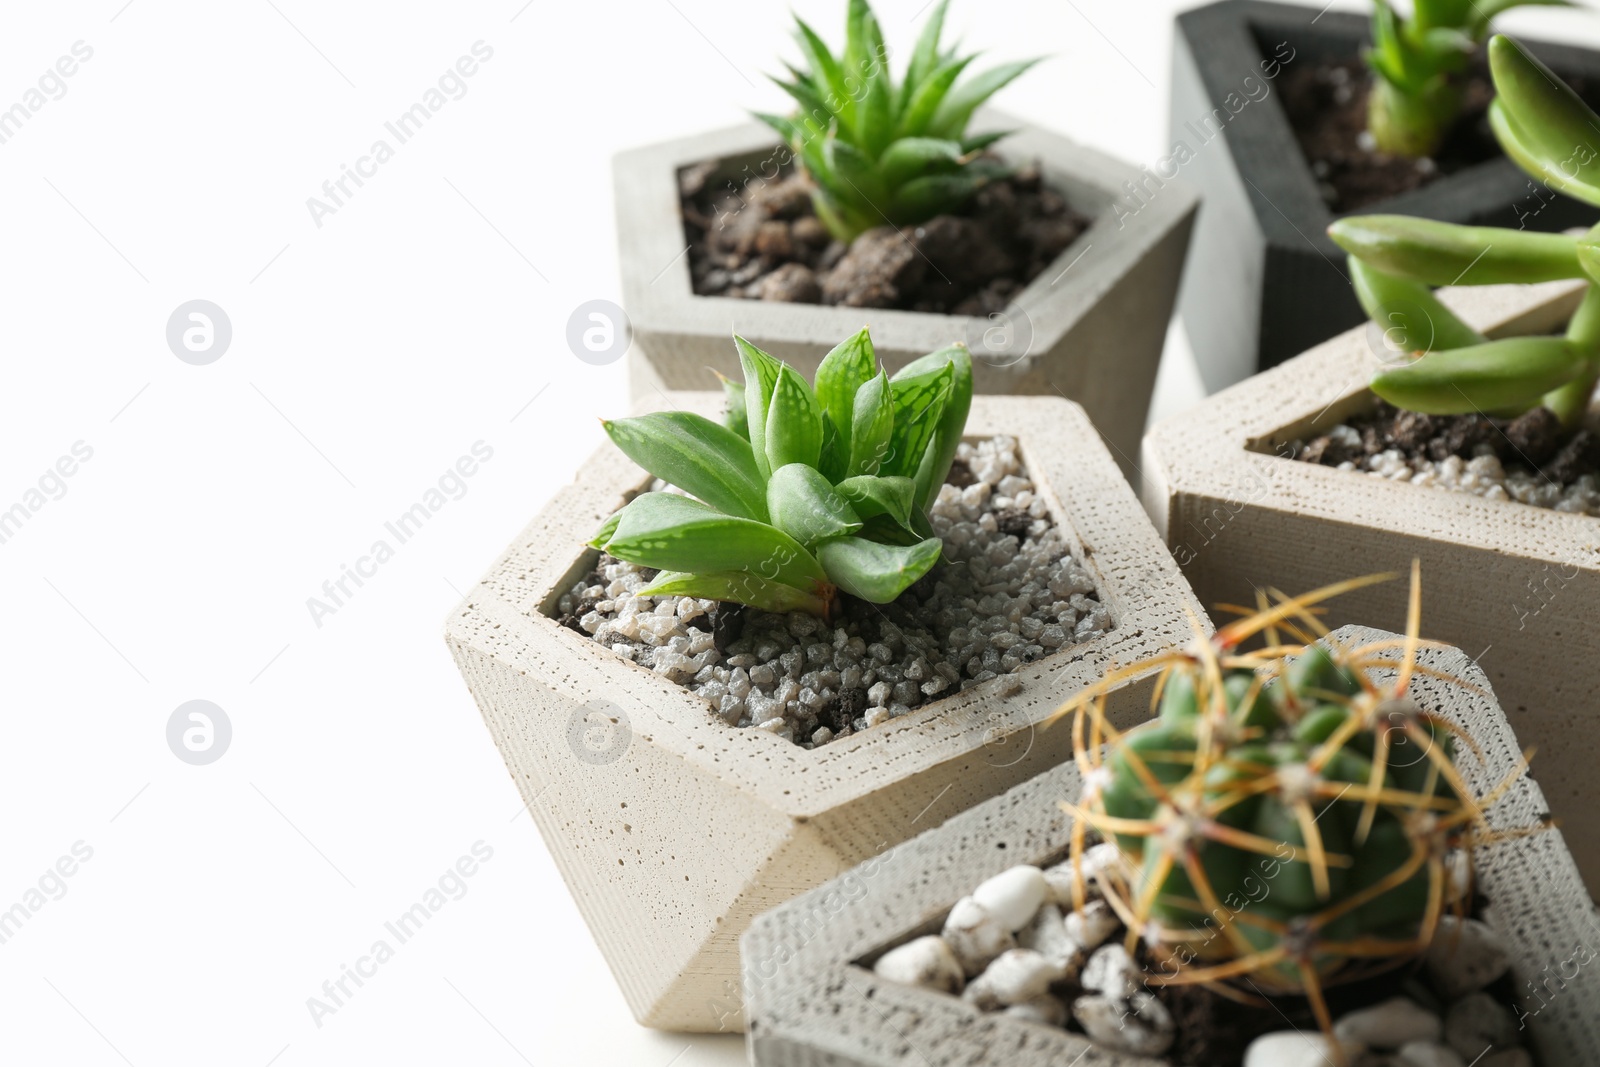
808,490
1285,819
1445,366
880,152
1417,63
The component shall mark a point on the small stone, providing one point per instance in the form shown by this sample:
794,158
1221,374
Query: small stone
926,962
1042,1009
1111,971
1103,857
975,936
1013,895
1429,1054
1479,1022
1293,1048
1138,1024
1466,955
1047,935
1016,975
1390,1024
1090,927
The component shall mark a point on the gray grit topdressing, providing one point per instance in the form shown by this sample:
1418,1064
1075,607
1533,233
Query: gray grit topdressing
1009,593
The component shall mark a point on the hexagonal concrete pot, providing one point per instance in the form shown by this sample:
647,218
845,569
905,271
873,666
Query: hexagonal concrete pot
815,1002
1516,585
1098,314
1267,282
673,829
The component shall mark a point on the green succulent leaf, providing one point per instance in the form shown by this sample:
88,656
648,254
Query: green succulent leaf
606,531
825,68
741,587
808,509
699,456
957,107
1542,124
875,572
934,467
1496,375
760,377
917,117
871,496
925,56
734,416
671,532
1411,317
841,373
872,426
855,169
920,398
934,194
834,459
1440,253
912,157
794,421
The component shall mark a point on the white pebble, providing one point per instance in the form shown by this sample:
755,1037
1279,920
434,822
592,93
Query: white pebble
1042,1009
1013,895
1466,955
1394,1022
1293,1048
975,936
1429,1054
1104,857
1016,975
1138,1024
1479,1022
926,962
1111,971
1090,927
1047,935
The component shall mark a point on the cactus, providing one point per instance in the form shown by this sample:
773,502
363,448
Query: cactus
1445,366
1285,819
806,491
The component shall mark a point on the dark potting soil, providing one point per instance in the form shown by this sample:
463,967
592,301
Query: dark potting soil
759,239
1534,441
1326,103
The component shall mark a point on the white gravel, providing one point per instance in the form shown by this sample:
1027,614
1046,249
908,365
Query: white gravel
1483,475
1003,600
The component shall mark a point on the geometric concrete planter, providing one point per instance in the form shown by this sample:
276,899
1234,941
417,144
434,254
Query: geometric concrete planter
1515,585
1266,282
673,829
815,1002
1090,327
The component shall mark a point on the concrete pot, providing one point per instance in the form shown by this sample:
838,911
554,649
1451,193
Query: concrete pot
673,829
1267,283
813,1002
1513,584
1089,328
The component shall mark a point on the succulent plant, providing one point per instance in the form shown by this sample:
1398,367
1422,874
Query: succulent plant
1285,818
808,490
878,152
1417,63
1445,367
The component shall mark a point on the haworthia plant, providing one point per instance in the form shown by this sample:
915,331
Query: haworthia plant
810,489
1287,819
880,152
1448,367
1417,64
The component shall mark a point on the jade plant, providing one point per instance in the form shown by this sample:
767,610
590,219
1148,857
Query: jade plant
1286,819
1444,366
808,490
879,152
1417,64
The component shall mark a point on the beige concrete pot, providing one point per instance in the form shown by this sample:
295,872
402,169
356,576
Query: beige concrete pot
814,1001
1090,328
1514,585
673,829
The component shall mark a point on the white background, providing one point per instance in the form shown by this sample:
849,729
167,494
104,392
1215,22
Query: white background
427,314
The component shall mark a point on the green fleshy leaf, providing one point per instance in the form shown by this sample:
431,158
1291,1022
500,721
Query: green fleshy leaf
760,375
734,416
808,509
701,457
739,587
671,532
833,461
1440,253
1509,373
926,98
872,426
1411,317
978,142
1542,124
925,56
920,398
912,157
825,68
794,422
957,107
935,194
842,371
874,572
870,496
934,466
606,531
858,175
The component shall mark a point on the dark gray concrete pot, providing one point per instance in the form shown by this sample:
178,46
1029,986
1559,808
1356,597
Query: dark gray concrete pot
1264,281
811,1002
